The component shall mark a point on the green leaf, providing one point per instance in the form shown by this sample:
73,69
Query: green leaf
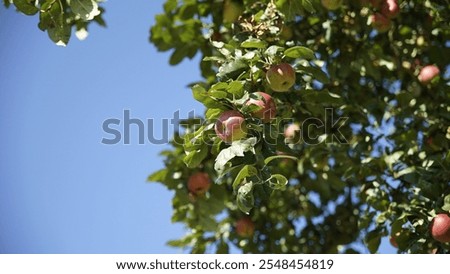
219,90
207,223
336,182
60,35
393,158
244,198
222,248
214,59
254,43
373,240
188,11
307,5
245,172
217,44
158,176
236,149
86,9
219,86
365,220
186,240
178,54
371,69
322,97
52,19
213,113
200,94
99,18
273,50
236,88
214,205
300,52
291,8
315,72
26,6
278,182
195,158
218,94
232,69
397,225
170,5
446,206
381,218
271,158
196,140
404,172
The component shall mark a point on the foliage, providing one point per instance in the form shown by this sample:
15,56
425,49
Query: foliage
372,158
58,17
387,174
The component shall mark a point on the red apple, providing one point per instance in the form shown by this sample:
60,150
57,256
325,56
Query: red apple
199,183
292,133
390,8
380,22
332,4
428,73
231,126
440,228
245,227
281,77
232,9
267,108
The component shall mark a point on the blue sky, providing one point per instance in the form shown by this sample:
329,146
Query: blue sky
61,190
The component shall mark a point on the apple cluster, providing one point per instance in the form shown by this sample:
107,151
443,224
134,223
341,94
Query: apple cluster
231,124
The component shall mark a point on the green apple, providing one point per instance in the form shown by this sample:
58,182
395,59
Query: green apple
231,126
199,183
332,4
267,108
281,77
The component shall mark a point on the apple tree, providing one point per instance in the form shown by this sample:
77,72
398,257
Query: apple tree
368,93
326,124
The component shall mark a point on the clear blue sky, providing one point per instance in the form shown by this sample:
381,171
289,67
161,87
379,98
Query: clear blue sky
61,190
